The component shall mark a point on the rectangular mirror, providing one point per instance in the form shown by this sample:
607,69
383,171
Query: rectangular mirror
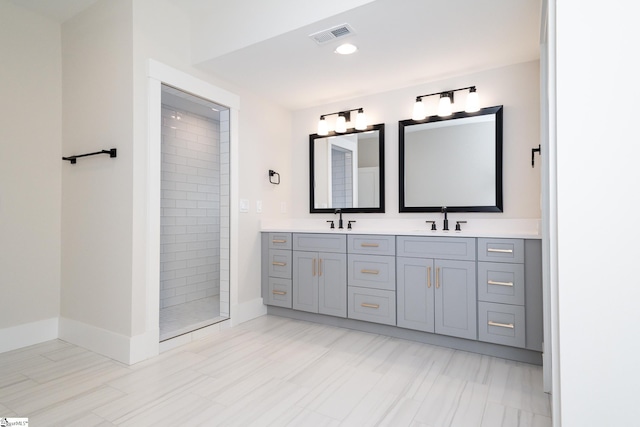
453,162
347,171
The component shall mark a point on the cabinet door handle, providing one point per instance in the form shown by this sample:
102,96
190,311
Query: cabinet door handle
370,271
429,277
369,245
320,267
437,277
278,241
281,264
279,292
503,251
314,267
502,325
364,304
492,282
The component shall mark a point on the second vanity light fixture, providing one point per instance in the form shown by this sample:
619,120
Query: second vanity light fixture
446,100
341,121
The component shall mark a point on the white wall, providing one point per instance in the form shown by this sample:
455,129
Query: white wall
515,87
97,191
30,133
598,176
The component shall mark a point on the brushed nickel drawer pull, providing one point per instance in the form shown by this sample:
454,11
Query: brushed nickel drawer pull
429,277
370,271
502,325
281,264
376,306
320,267
314,267
279,292
492,282
278,241
369,245
502,251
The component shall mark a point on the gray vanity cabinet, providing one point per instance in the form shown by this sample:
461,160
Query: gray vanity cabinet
276,269
455,295
320,278
415,296
372,279
437,285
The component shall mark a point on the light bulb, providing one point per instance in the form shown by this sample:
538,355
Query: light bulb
419,111
341,124
323,129
473,103
444,107
361,120
346,49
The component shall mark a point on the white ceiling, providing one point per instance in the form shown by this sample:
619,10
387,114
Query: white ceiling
400,43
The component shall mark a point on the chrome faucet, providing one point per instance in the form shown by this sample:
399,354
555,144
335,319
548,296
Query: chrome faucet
338,211
445,227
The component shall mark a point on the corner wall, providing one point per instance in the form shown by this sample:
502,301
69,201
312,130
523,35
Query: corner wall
30,164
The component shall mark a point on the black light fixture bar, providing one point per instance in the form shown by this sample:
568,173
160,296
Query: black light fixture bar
345,113
446,92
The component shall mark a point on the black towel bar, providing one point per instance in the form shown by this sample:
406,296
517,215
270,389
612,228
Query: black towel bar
72,159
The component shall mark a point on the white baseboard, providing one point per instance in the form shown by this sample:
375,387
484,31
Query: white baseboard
28,334
119,347
246,311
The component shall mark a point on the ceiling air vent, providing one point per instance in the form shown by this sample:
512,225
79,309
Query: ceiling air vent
324,36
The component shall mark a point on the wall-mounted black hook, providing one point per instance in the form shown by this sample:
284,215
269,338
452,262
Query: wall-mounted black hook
72,159
273,173
533,152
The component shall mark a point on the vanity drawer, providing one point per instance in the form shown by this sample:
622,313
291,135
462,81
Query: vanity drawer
372,305
372,271
501,250
280,241
501,324
320,242
457,248
501,282
279,263
370,244
279,292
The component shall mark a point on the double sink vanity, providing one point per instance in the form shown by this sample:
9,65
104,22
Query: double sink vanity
479,294
477,290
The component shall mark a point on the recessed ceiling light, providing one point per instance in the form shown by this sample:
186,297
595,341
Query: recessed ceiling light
346,49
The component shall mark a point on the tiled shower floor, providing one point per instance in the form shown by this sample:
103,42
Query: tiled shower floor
186,317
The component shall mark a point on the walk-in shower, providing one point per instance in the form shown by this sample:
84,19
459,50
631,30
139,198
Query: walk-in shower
194,223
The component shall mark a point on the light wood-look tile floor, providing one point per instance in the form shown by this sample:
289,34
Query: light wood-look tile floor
273,371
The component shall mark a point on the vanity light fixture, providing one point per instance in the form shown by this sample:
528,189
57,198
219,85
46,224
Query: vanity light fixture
446,102
341,122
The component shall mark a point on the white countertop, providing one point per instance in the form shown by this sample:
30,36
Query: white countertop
503,228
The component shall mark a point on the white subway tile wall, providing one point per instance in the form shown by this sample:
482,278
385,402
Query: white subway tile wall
191,210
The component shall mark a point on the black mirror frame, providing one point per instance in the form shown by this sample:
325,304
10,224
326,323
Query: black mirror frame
380,128
498,207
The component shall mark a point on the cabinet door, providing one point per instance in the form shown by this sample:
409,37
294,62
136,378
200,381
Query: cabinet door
305,281
455,296
415,296
332,284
